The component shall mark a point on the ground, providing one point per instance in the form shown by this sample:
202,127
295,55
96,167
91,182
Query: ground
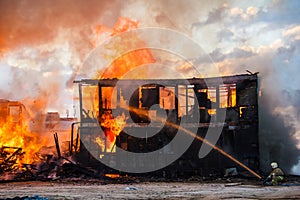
92,189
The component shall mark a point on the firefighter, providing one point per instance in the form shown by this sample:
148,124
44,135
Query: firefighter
276,177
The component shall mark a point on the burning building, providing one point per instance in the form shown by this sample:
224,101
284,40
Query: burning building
110,109
11,110
24,142
14,136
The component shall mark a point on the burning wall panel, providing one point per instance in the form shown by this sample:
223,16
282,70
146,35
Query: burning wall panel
237,96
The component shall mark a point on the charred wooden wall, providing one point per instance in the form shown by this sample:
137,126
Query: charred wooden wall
236,95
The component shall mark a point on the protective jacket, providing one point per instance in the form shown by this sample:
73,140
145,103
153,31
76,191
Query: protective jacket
276,176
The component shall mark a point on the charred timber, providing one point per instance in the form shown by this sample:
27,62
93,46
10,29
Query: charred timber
214,81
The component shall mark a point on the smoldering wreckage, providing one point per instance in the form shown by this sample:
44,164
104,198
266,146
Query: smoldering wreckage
106,105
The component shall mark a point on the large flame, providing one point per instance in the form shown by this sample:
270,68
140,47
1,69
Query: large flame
112,128
23,138
113,125
130,60
18,136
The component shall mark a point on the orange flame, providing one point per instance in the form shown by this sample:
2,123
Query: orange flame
19,135
124,24
117,69
132,59
2,46
18,141
112,128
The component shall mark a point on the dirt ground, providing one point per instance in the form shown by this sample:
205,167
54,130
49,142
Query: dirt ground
78,189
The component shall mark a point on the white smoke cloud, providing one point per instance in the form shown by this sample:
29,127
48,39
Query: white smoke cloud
42,53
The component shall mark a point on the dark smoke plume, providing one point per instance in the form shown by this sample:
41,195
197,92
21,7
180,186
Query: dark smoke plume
277,138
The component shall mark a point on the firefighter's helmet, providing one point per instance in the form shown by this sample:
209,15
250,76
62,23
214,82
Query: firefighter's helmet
274,165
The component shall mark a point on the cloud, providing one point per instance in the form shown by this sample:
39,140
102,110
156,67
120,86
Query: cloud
293,32
225,35
293,96
43,43
237,13
235,54
238,53
280,13
215,16
217,55
252,11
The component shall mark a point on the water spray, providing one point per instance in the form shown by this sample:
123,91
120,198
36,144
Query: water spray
144,113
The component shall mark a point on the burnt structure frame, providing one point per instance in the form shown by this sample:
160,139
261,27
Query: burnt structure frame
239,136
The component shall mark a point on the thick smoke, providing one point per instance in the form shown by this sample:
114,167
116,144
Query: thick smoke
44,43
278,103
277,64
277,137
278,112
29,22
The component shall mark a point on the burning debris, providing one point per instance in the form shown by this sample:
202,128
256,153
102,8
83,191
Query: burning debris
9,159
24,154
18,145
237,96
104,111
50,167
15,132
